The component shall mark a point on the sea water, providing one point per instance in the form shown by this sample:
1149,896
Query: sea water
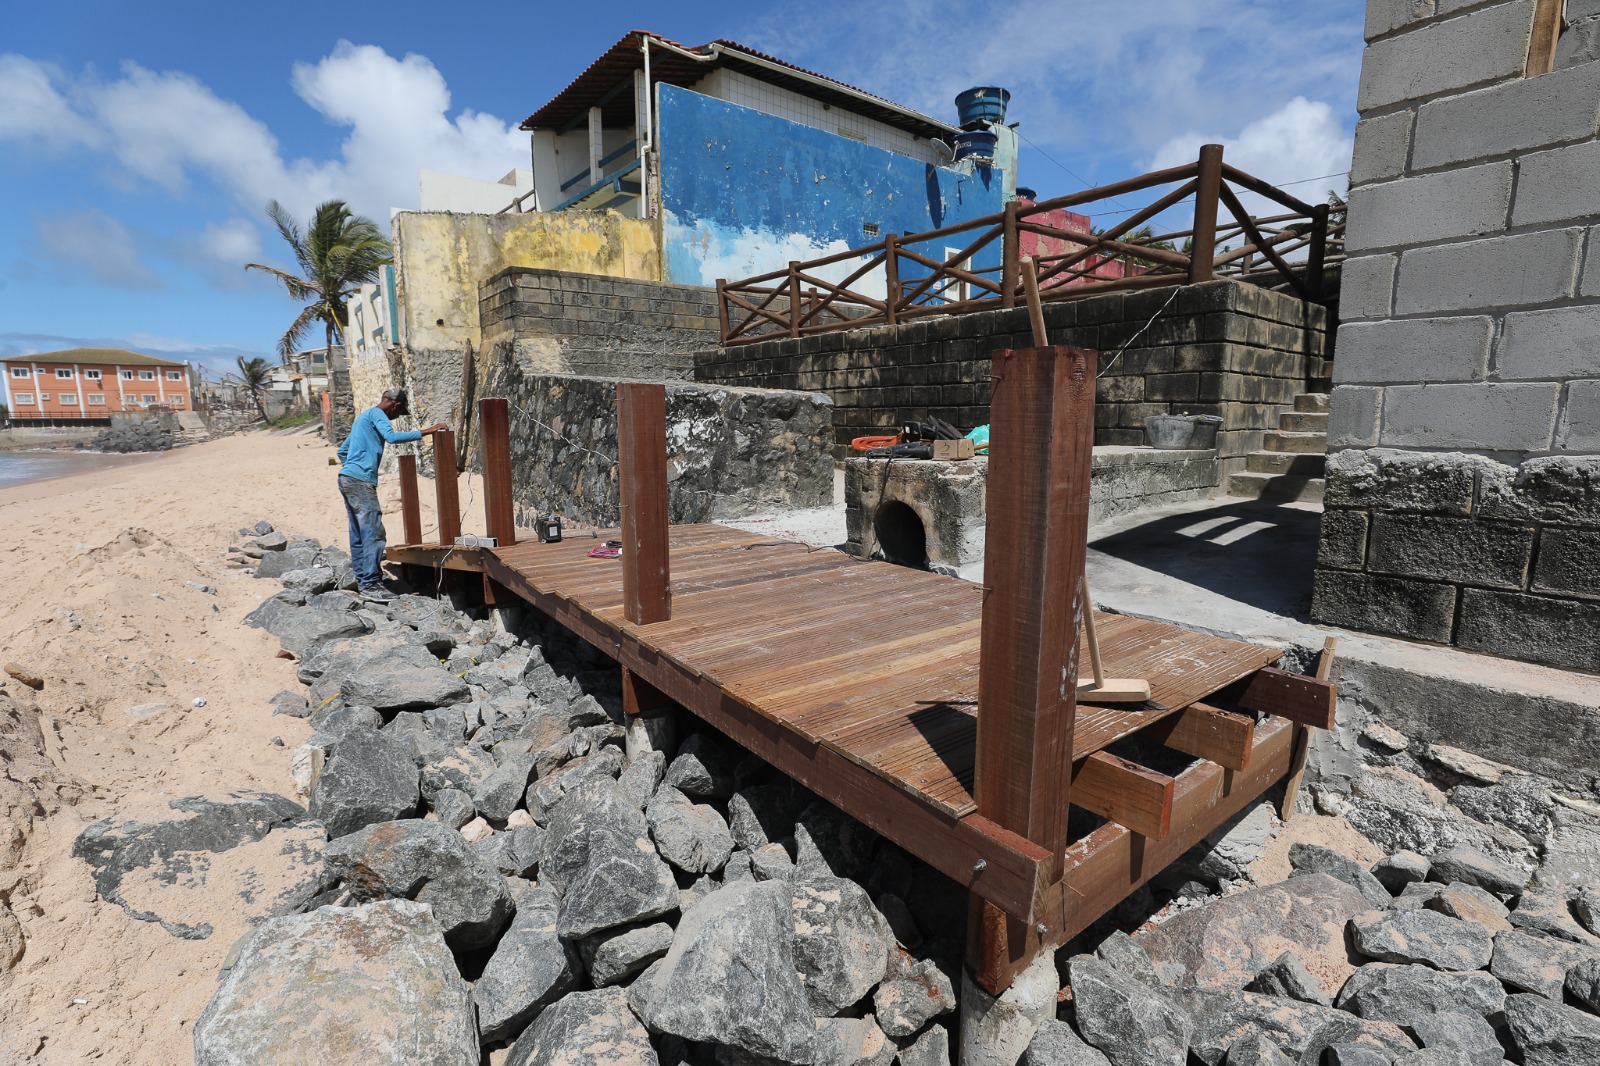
19,468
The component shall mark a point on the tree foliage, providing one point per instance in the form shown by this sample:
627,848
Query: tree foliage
337,253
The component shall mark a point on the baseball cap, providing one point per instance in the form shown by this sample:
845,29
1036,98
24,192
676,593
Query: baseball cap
397,396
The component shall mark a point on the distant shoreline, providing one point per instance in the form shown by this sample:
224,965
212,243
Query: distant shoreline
18,467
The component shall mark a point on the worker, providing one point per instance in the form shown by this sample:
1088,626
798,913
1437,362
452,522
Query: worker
360,454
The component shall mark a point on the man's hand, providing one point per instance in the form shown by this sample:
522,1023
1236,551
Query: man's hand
437,427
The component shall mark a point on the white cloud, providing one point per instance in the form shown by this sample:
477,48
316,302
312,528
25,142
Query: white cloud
169,129
34,112
92,244
1302,139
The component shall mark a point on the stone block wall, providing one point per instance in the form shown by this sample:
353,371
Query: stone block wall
558,322
730,451
1465,416
1222,348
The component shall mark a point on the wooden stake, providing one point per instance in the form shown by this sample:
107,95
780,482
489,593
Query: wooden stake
410,505
642,477
1302,739
1100,690
447,492
494,440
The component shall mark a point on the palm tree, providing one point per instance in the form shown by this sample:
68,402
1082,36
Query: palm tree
338,253
255,377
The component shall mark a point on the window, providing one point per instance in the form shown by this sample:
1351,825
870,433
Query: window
63,373
174,375
147,375
19,372
68,400
126,375
92,375
176,399
24,399
149,397
97,399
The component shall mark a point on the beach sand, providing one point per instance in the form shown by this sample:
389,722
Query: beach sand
96,601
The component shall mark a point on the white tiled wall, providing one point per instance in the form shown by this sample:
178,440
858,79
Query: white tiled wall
741,89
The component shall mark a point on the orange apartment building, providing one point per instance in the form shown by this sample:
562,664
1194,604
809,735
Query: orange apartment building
87,384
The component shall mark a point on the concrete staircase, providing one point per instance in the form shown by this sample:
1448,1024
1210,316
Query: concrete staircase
1291,464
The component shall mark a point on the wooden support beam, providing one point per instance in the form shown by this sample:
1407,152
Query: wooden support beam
642,477
1548,21
1125,793
640,696
447,490
410,504
1302,739
1207,733
1040,456
1307,700
1106,866
494,436
1207,193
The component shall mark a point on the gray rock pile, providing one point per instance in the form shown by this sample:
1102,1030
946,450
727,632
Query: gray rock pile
587,890
133,437
1414,962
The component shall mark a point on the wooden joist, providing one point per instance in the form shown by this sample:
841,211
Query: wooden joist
1124,792
1207,733
1307,700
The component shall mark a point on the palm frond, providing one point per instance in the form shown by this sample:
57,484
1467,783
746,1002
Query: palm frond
299,288
289,343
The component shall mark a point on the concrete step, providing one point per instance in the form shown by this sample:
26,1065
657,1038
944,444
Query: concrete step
1311,401
1300,463
1276,487
1281,440
1304,421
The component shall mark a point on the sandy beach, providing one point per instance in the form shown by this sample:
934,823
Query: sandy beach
100,600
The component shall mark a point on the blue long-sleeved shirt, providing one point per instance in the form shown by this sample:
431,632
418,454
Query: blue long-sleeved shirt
362,450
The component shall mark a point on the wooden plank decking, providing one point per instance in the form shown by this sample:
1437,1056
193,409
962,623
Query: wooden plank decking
857,678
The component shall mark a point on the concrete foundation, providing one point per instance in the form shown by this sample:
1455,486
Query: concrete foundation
919,512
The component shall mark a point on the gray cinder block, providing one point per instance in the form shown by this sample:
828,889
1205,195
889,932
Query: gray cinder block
1521,270
1353,416
1383,145
1413,350
1446,56
1451,549
1422,610
1386,16
1488,416
1580,422
1561,184
1558,342
1366,287
1516,116
1433,207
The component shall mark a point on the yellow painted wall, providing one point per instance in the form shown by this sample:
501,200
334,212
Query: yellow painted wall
442,257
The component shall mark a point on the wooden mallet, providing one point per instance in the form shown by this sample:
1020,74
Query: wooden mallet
1099,688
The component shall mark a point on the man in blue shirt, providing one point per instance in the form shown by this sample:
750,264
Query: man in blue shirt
361,453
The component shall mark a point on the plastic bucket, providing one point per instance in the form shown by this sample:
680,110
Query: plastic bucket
982,105
1182,431
975,144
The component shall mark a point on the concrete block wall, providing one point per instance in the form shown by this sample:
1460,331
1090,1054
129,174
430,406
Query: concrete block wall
567,323
1469,352
1222,348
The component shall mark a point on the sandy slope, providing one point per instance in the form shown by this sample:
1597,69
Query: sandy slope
93,597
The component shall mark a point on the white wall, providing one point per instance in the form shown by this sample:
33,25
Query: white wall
737,88
451,192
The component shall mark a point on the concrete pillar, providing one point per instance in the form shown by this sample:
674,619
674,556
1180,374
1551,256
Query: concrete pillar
996,1031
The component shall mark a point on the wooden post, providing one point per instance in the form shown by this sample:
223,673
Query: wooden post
1317,254
1040,453
1547,25
1010,256
1208,189
891,278
447,492
794,297
722,307
642,473
410,505
494,441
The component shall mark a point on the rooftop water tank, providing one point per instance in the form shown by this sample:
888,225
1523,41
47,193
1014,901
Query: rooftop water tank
982,106
976,144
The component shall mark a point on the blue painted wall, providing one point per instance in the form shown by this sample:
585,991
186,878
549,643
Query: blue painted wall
743,193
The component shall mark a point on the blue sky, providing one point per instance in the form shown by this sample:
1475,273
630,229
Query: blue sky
139,143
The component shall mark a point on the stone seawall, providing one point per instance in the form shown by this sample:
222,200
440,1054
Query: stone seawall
730,451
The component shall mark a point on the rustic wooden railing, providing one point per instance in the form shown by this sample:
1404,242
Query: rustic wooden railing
1290,251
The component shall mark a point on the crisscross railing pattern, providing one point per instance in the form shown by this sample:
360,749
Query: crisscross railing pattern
903,277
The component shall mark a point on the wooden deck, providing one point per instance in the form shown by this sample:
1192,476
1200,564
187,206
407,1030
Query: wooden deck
860,680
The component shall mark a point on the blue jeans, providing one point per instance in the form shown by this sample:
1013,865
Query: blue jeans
367,538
